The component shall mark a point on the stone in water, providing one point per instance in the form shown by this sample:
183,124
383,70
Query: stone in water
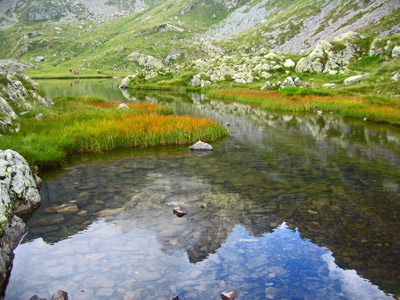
179,211
229,295
200,146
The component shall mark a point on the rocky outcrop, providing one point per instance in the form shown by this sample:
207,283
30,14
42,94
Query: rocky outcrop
46,11
125,81
145,60
329,57
380,46
19,195
14,96
12,66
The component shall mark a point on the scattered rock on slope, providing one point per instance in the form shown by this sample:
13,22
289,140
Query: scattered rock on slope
145,60
355,79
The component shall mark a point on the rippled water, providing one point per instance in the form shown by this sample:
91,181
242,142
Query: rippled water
288,207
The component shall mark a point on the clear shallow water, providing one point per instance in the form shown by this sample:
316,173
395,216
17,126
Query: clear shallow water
303,207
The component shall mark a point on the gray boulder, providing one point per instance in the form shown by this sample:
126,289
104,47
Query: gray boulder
326,58
18,195
196,81
288,82
15,97
355,79
39,59
125,81
396,51
7,65
60,295
147,61
376,47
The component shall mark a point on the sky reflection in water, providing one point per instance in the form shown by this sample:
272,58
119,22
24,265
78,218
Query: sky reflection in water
277,265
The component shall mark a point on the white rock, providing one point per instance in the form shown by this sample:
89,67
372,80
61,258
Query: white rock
123,106
289,63
396,51
329,85
200,146
355,79
125,81
39,59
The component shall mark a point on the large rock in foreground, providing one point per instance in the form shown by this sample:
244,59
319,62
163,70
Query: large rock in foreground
18,195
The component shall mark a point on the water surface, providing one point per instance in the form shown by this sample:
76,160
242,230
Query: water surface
288,207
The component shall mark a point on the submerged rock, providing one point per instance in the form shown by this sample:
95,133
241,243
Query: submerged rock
229,295
200,146
179,211
60,295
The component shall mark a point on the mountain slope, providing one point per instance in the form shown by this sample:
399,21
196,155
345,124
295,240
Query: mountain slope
124,35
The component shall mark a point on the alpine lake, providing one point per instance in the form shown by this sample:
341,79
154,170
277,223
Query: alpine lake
289,206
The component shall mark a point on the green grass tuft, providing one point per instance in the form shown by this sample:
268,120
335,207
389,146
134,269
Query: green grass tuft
89,124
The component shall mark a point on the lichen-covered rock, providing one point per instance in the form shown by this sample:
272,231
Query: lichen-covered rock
376,47
19,94
396,51
326,58
18,195
12,66
314,61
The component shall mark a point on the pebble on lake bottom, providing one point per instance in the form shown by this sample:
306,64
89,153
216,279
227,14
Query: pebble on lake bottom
229,295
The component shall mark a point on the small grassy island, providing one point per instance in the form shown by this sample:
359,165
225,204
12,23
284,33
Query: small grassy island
90,124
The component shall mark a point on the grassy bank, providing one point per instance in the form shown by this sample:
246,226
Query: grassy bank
374,108
89,124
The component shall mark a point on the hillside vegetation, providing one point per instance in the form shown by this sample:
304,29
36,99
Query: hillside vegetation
75,36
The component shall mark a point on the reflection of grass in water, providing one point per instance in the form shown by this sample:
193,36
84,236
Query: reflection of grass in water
374,108
88,124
